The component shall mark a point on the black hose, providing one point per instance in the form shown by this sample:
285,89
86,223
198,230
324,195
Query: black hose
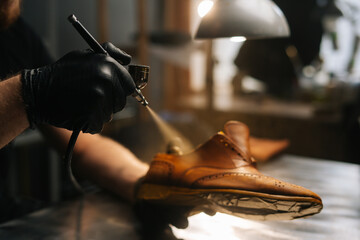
68,157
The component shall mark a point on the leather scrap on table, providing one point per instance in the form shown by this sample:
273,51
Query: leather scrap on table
263,149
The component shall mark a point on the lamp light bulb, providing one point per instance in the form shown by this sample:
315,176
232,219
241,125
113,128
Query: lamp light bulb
238,39
204,7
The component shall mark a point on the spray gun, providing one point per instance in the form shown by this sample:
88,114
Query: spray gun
139,73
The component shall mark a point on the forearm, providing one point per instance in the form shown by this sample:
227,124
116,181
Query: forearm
110,165
13,120
103,161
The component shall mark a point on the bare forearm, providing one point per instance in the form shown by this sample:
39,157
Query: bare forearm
103,160
13,120
112,166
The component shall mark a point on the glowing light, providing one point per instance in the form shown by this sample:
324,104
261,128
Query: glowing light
238,39
204,7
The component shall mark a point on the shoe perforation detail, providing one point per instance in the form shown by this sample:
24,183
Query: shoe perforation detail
277,183
228,174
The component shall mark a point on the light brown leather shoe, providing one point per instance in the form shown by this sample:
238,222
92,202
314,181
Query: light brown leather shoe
220,176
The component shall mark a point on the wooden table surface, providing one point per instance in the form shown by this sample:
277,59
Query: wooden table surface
102,216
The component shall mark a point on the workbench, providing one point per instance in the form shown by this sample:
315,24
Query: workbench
103,216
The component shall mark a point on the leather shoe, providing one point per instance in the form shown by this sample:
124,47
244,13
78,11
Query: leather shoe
221,176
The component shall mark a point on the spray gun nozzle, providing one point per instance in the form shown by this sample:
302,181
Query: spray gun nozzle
140,97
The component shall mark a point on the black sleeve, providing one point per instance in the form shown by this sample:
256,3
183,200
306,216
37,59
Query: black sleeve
21,48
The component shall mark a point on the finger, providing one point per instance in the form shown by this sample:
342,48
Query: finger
180,222
210,212
178,217
120,56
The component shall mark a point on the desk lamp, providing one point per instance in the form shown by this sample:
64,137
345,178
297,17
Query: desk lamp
250,19
238,20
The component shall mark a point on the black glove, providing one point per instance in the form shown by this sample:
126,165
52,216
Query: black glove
80,91
154,218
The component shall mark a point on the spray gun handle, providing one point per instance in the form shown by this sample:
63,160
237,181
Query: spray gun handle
86,35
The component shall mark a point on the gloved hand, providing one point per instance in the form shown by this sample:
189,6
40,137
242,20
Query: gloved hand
154,218
80,91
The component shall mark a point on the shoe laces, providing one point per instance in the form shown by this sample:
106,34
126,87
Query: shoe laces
228,143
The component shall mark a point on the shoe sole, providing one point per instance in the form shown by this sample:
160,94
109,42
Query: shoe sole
240,203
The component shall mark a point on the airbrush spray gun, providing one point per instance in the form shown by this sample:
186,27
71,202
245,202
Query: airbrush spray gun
139,73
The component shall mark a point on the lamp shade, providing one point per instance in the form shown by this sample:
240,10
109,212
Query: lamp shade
247,18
